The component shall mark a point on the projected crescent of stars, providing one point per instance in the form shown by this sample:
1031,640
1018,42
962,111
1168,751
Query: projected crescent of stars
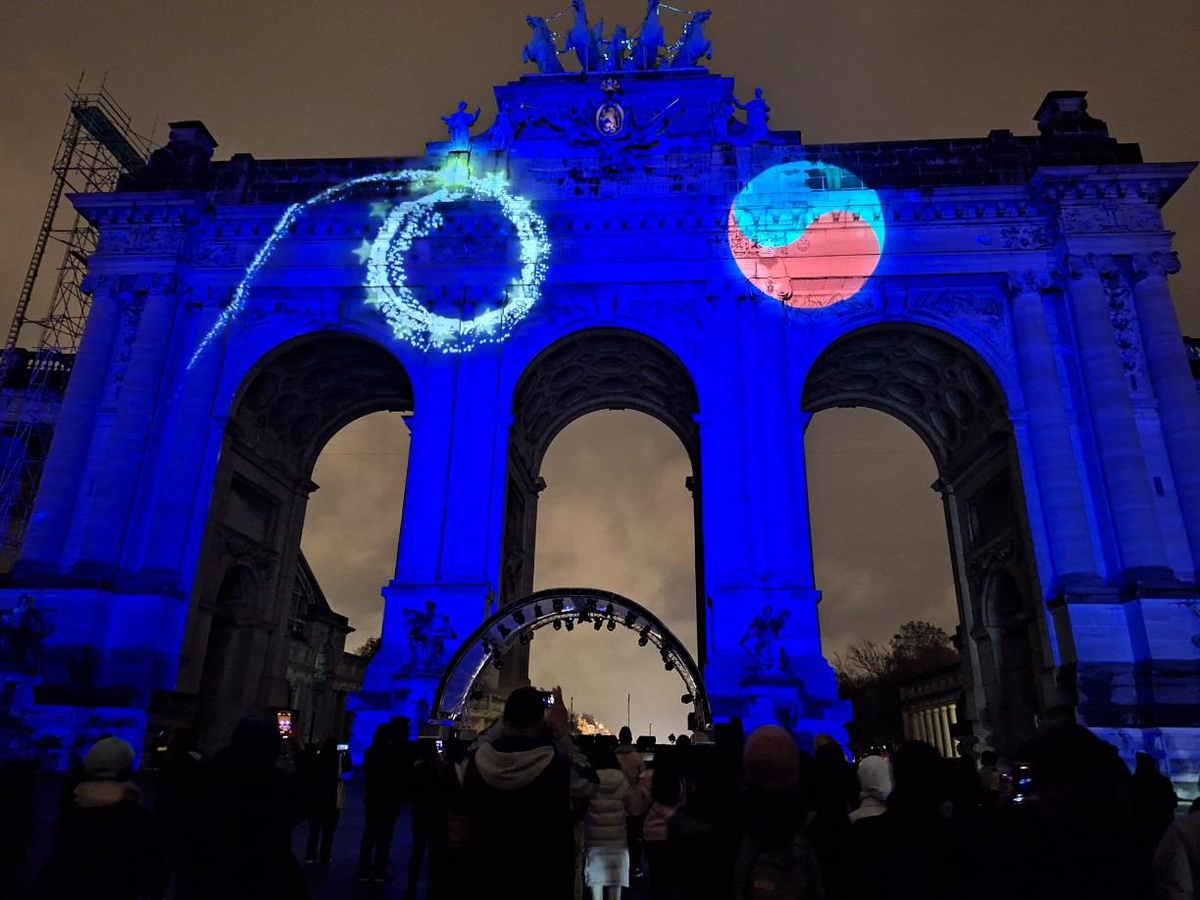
386,285
808,234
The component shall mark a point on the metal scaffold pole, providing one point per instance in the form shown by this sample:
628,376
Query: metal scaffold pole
97,147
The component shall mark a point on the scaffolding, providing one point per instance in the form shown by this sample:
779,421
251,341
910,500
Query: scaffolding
97,147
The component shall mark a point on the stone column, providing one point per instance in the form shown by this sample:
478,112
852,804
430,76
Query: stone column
947,739
140,393
1131,501
62,474
1171,379
1054,454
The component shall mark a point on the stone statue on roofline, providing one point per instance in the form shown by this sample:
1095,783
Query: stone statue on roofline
459,124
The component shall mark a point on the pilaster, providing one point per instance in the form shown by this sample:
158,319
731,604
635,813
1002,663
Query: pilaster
1049,432
1172,382
1126,479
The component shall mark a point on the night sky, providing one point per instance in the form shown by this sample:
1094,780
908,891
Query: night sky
290,78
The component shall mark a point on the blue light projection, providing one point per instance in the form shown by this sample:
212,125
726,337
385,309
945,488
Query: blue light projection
808,234
388,290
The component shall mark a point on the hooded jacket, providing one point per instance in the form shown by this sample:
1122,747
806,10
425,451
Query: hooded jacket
517,794
875,782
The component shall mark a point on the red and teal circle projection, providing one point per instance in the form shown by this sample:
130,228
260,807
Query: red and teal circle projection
808,234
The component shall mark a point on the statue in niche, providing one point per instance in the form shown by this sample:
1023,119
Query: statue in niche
23,633
761,640
615,49
427,636
585,40
459,124
694,44
650,39
542,49
757,115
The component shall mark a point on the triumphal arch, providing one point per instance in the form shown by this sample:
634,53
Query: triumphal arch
634,232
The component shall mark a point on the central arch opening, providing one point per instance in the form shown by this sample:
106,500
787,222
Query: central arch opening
603,491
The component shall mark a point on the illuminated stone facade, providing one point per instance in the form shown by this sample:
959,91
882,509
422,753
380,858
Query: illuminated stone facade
618,241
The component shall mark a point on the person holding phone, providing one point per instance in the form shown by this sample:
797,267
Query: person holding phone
520,782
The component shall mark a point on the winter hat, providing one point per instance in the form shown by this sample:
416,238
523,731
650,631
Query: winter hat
771,760
108,758
875,778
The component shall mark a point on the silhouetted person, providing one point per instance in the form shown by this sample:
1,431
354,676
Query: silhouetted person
320,770
104,845
1154,803
1177,861
428,817
911,850
606,846
385,786
634,767
17,780
176,805
835,793
774,859
518,789
667,794
989,778
875,786
248,808
1071,834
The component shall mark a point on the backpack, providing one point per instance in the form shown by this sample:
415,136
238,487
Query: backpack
784,873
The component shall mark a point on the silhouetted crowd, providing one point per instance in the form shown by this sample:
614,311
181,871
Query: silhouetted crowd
526,811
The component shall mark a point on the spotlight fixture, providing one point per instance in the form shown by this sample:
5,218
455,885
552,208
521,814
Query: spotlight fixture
644,637
504,630
558,624
669,665
583,615
519,617
557,604
525,637
612,624
570,624
687,698
537,611
598,623
498,663
487,648
630,619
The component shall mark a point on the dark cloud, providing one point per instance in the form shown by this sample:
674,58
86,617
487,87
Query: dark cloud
302,79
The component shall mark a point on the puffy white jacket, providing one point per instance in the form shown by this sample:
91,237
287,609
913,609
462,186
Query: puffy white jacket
605,822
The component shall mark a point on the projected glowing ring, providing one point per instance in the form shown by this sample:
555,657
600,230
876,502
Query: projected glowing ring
534,249
413,321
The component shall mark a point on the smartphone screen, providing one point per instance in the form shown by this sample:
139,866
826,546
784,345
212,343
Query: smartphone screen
283,720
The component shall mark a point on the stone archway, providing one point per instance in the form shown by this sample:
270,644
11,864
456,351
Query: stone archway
288,408
515,624
946,394
591,370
